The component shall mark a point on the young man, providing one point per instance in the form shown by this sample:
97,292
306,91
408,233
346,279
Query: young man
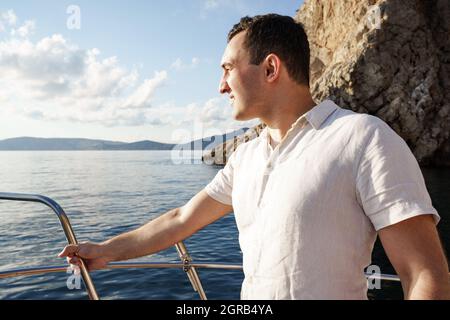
310,194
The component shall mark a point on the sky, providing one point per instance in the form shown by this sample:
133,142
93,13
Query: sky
118,70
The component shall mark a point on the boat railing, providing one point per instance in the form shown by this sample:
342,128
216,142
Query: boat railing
186,264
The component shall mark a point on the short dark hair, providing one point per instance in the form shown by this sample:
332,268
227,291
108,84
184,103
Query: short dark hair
281,35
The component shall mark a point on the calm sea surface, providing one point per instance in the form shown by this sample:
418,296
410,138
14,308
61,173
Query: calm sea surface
105,193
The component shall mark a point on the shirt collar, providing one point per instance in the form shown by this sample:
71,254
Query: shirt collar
316,117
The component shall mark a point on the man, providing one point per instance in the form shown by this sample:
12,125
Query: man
310,194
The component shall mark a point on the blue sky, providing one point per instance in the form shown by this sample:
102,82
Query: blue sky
133,70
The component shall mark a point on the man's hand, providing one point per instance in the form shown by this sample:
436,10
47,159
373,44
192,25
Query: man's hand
91,253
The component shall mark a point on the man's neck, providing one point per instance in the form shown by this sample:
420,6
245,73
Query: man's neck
284,116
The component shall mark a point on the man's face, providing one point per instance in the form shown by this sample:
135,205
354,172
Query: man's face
242,81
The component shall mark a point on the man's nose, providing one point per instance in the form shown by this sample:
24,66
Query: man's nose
224,87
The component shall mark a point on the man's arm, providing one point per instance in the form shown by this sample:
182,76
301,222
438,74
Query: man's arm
152,237
414,249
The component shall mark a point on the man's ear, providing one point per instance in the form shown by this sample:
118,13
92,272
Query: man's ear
272,67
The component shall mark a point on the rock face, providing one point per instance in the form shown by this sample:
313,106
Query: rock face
220,154
389,58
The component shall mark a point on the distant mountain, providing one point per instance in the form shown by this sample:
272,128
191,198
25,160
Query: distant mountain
70,144
29,143
141,145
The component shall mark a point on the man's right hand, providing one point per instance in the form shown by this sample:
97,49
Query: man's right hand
91,253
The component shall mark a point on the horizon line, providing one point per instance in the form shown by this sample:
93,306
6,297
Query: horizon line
117,141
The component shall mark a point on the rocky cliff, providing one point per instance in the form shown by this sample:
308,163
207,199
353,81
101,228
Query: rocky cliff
389,58
220,154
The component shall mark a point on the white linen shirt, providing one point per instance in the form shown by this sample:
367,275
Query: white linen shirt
308,211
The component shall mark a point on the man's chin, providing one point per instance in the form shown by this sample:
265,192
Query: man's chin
241,116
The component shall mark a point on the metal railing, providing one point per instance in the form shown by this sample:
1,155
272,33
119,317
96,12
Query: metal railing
152,265
186,260
67,227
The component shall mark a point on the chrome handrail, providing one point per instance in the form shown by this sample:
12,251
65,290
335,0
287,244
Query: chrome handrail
190,269
67,227
154,265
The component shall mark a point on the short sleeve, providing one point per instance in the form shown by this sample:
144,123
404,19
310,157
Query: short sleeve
389,183
221,187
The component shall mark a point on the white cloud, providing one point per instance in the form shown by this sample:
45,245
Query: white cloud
243,7
25,30
179,65
214,113
213,117
140,97
211,4
63,82
9,17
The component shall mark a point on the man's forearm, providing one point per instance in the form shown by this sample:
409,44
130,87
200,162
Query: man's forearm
428,287
152,237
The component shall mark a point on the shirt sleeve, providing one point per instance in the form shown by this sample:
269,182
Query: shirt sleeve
221,187
389,183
